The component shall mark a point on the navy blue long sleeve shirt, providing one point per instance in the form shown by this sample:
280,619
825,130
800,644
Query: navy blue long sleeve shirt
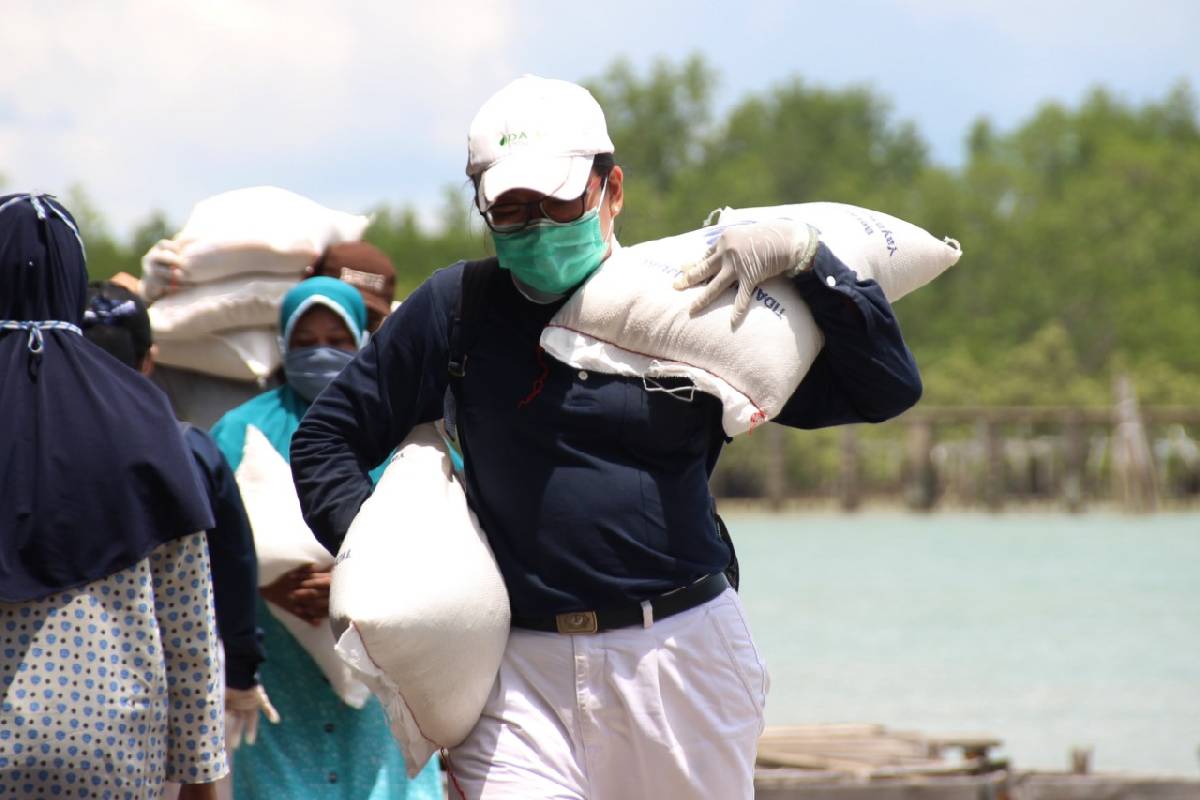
593,491
234,565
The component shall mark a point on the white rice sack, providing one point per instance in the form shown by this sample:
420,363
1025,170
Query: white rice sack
225,305
262,229
422,602
897,255
284,542
161,278
250,354
628,319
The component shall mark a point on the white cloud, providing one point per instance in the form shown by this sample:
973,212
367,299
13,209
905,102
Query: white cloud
158,104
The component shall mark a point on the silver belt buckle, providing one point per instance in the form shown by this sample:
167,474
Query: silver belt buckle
577,622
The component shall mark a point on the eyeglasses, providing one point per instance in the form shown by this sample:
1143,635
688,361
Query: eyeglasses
512,217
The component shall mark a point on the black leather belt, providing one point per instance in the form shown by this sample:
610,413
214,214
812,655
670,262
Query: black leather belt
661,607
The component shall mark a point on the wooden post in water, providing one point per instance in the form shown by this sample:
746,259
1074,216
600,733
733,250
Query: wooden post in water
1081,760
992,482
1075,455
1132,463
776,468
849,489
922,480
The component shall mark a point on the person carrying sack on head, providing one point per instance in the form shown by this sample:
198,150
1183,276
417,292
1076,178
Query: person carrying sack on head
630,671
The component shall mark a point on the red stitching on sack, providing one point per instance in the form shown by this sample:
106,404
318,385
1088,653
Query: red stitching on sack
540,382
450,774
403,699
759,414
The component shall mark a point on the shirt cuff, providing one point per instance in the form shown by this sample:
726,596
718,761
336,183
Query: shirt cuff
828,284
240,673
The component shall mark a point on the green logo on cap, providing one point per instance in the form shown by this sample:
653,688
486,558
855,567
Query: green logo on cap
509,138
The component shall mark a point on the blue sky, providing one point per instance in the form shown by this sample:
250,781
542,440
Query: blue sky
156,105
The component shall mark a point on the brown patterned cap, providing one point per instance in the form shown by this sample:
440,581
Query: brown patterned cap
366,268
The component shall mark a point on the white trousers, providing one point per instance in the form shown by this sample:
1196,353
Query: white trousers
671,711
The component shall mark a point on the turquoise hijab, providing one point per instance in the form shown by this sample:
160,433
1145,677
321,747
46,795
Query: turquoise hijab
338,296
277,413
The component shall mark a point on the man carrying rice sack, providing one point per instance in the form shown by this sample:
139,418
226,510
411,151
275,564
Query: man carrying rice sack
630,671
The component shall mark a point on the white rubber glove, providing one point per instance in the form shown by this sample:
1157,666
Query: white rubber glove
241,714
750,254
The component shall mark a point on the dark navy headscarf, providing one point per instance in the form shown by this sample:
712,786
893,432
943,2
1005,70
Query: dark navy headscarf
93,472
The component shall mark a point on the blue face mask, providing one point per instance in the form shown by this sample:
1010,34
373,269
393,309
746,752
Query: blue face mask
554,257
310,369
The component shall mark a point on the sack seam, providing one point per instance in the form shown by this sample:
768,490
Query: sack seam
759,416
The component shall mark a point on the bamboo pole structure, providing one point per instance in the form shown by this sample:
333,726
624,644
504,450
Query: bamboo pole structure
1134,481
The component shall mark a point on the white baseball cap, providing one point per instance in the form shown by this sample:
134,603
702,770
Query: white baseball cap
539,134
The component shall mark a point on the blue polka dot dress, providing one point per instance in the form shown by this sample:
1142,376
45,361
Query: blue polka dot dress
113,687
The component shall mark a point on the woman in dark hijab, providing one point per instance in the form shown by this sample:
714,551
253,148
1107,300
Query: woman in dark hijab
107,641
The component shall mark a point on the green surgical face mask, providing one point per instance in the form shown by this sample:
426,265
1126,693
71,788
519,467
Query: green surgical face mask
554,257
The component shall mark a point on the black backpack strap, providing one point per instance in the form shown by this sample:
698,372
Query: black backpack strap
464,331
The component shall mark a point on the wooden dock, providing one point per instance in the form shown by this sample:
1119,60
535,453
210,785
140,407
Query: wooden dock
871,762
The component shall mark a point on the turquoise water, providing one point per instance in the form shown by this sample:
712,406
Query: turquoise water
1046,631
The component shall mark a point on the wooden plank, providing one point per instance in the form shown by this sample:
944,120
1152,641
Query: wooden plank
965,741
798,785
899,744
852,729
851,761
781,758
1100,786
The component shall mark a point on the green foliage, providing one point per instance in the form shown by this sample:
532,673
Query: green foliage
105,255
659,124
1080,227
1081,222
152,230
417,251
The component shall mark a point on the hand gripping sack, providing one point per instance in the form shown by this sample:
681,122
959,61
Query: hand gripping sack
628,319
259,230
897,255
282,542
422,603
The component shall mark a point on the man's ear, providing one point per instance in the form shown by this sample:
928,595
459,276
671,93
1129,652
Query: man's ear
616,191
147,365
